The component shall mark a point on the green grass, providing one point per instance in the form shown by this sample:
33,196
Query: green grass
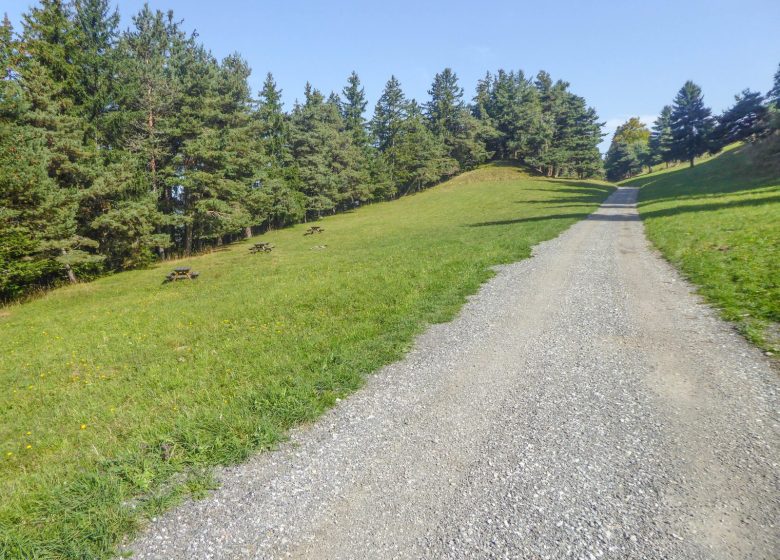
719,223
121,395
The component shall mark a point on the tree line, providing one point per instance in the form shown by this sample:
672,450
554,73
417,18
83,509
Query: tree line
686,129
118,148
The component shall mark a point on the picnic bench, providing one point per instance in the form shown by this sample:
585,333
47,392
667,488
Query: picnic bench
182,273
314,229
261,248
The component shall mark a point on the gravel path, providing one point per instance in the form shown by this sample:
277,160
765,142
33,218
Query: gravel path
584,404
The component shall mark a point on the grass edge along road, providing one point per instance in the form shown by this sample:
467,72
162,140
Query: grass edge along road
123,394
718,223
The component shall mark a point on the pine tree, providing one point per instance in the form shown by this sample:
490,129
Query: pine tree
96,36
389,114
661,137
420,156
773,95
214,159
353,108
445,107
331,169
584,158
691,124
273,123
151,94
745,120
25,187
48,77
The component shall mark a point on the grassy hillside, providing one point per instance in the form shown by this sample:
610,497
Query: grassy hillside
122,393
719,222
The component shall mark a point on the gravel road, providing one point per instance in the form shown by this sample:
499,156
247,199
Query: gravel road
584,404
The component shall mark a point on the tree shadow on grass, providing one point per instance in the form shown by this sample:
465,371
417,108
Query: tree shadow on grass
692,208
580,216
729,173
685,209
591,190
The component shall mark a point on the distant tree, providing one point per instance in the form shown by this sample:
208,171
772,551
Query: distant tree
389,115
444,108
773,95
420,156
389,112
692,124
745,120
661,137
629,151
773,107
331,169
352,109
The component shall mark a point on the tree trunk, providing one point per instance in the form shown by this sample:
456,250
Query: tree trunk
248,232
69,270
188,240
691,161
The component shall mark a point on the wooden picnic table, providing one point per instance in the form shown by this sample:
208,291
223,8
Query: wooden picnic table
261,248
182,273
314,229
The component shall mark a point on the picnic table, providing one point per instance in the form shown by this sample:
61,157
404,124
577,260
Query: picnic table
261,248
182,273
314,229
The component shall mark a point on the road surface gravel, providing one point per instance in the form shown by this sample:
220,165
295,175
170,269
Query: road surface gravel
584,404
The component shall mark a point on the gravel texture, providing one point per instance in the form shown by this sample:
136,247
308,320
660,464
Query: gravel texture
584,404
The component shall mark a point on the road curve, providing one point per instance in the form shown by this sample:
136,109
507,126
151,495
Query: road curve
584,404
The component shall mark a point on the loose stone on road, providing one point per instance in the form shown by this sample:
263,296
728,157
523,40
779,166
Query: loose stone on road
584,404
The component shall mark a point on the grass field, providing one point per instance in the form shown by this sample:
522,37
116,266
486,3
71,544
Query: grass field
719,222
122,394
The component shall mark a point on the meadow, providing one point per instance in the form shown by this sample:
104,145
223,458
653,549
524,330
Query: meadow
122,395
719,223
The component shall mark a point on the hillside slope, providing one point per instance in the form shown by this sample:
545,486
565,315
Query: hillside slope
719,222
122,393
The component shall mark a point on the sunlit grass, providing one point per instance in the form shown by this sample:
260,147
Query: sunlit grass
121,395
719,222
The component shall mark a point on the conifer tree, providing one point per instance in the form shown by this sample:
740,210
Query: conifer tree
691,124
273,125
152,94
353,108
661,137
328,162
96,35
420,156
745,120
26,190
48,77
445,106
389,115
773,95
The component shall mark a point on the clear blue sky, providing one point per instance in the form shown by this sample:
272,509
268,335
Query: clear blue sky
626,57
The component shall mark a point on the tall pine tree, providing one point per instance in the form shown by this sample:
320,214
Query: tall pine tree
661,137
691,124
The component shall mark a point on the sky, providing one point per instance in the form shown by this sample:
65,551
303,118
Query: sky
626,57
